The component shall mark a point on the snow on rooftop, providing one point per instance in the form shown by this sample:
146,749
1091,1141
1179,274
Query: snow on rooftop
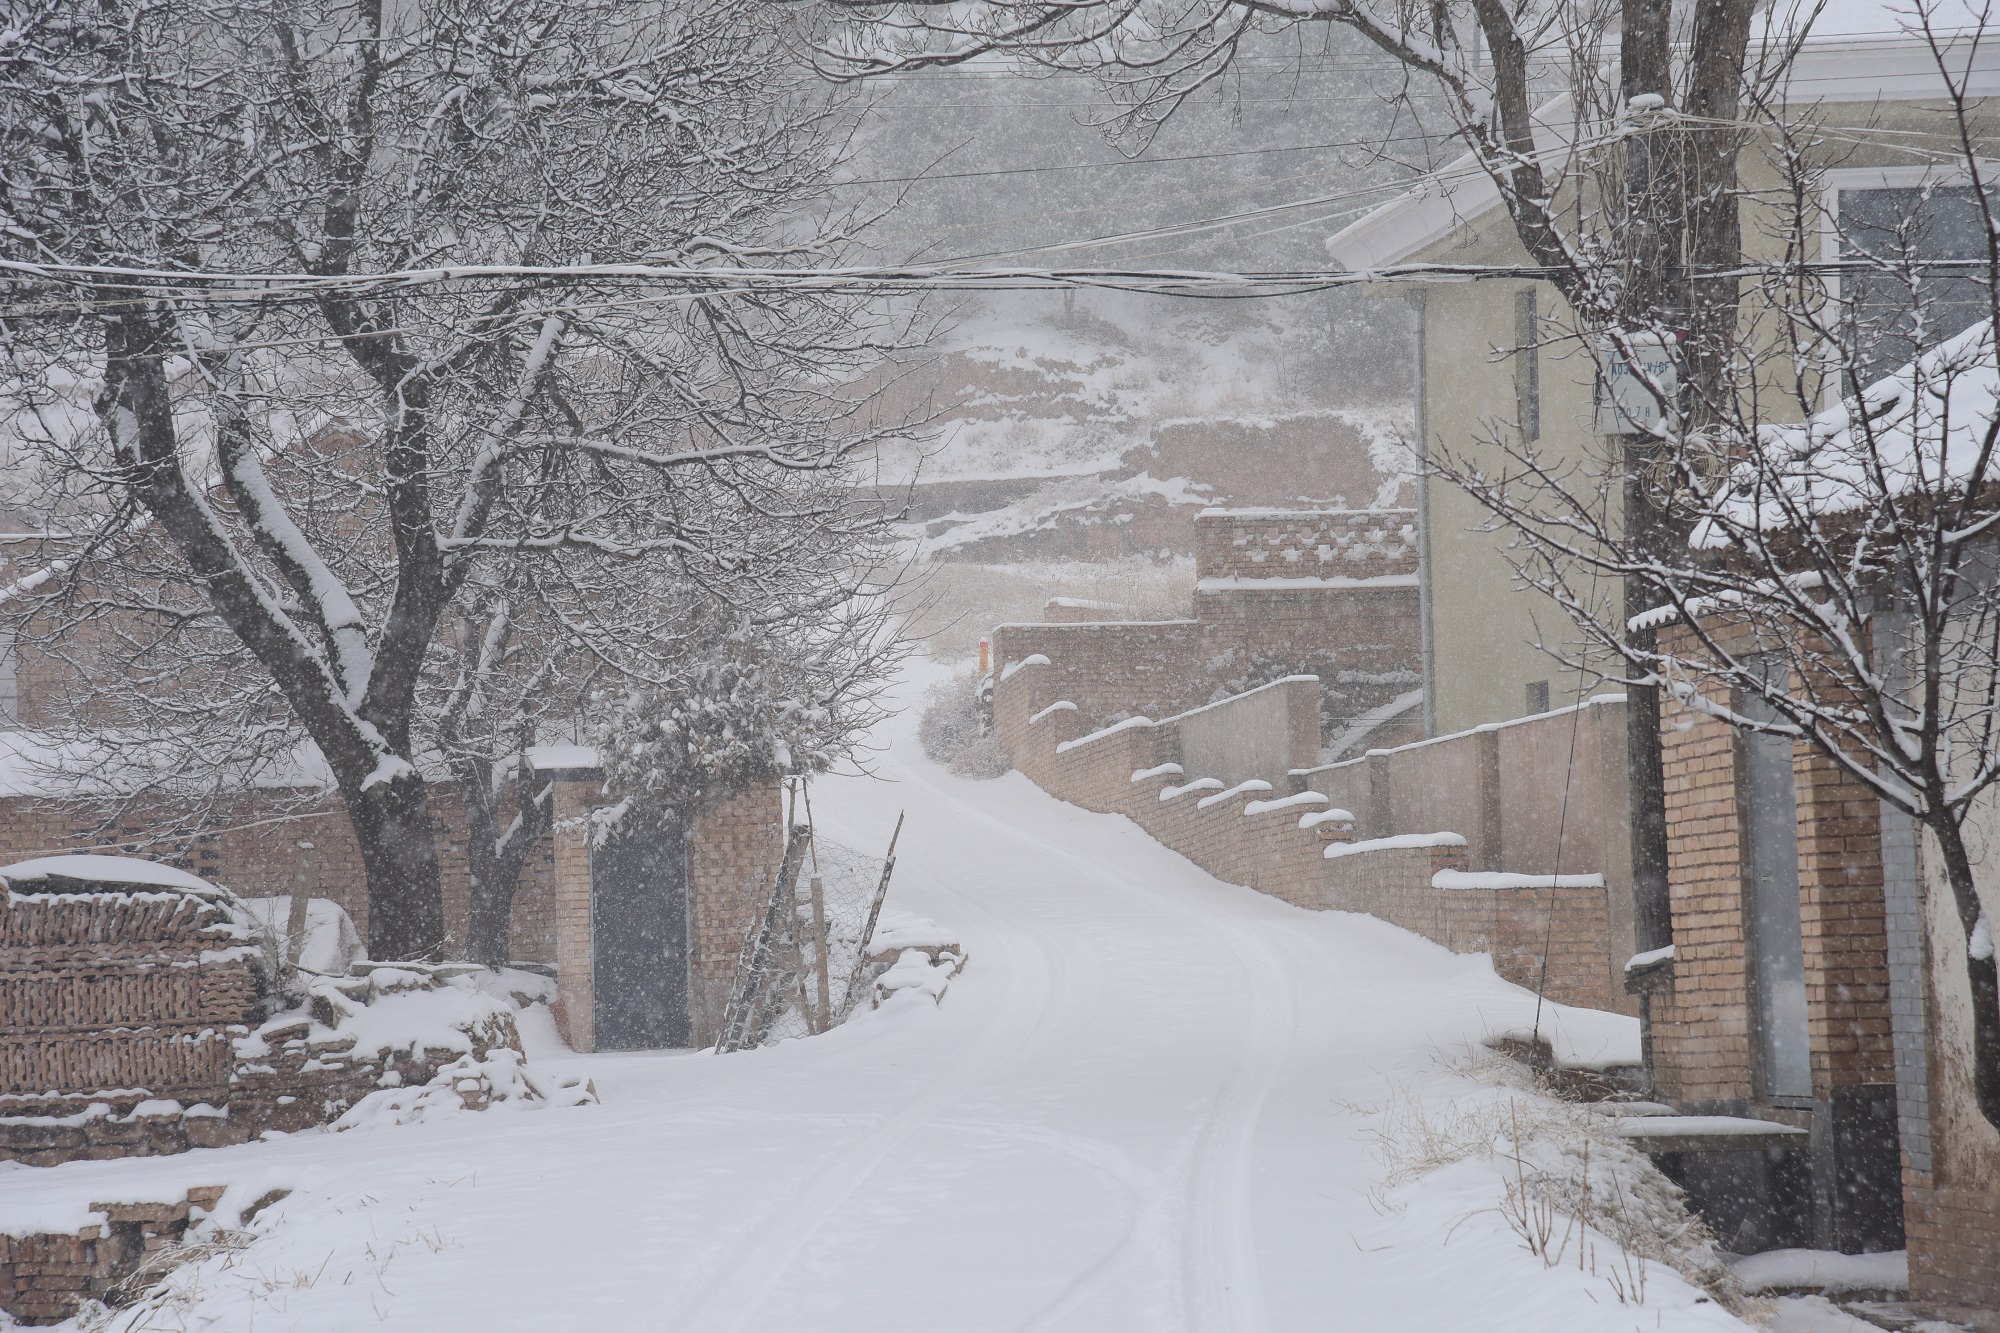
1922,425
543,757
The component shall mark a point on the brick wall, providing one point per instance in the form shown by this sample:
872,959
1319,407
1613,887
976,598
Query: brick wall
255,851
1701,1028
1276,543
1332,592
1275,842
733,855
1703,1040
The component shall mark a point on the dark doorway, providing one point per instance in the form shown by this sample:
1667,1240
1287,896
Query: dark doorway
639,939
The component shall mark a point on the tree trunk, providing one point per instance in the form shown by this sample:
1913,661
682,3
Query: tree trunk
494,860
1981,974
399,854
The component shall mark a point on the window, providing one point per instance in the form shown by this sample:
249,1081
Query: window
1538,696
1527,366
1889,219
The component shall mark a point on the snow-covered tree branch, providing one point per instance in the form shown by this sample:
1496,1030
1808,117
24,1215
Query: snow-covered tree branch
283,496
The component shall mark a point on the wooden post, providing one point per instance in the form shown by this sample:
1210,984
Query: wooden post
874,912
820,964
295,925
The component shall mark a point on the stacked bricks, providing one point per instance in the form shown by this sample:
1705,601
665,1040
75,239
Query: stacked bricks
107,989
45,1277
254,850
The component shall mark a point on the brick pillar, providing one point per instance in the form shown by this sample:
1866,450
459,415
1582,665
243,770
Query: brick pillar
576,992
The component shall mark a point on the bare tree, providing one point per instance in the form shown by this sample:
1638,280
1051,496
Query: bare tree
1837,580
286,486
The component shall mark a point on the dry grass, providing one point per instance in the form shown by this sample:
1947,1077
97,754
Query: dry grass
1574,1192
960,603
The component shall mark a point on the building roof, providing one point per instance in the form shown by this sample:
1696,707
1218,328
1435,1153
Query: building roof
1857,51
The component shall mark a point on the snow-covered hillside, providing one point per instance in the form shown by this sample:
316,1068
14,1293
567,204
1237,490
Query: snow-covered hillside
1095,428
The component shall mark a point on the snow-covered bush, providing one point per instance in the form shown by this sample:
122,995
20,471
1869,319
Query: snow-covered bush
952,730
748,709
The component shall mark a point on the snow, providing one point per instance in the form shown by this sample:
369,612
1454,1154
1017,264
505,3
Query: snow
1158,771
1920,428
1287,802
1584,1039
1303,584
898,929
1152,1103
1823,1270
106,869
1500,879
548,758
1032,659
1059,706
331,945
1649,957
1252,784
1706,1126
1817,1314
1112,730
1399,841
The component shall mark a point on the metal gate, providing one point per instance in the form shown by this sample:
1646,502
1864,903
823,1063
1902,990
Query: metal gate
639,939
1771,819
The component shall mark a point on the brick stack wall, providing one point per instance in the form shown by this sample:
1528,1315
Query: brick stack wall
1273,842
113,990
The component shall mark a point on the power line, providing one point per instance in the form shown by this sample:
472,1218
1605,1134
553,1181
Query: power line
1123,162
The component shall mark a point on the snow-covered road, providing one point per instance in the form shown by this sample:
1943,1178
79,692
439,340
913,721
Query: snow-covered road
1152,1102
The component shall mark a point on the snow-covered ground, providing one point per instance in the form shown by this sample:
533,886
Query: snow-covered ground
1151,1101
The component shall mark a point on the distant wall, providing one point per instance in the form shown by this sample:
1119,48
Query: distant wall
1328,592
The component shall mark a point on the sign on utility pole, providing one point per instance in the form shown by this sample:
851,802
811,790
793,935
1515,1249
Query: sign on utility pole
1627,404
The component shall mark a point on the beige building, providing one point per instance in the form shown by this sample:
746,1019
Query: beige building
1492,356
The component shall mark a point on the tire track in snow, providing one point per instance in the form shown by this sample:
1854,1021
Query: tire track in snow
1222,1289
765,1257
